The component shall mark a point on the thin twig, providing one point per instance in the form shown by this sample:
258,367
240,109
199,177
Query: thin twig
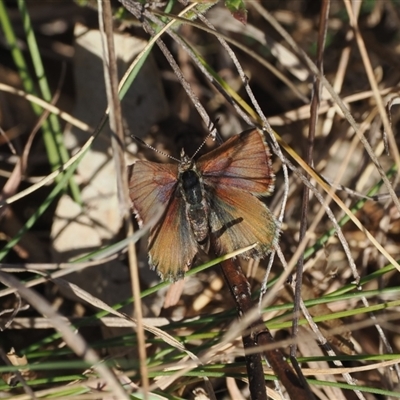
323,26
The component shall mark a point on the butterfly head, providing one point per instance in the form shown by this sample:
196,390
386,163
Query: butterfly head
185,162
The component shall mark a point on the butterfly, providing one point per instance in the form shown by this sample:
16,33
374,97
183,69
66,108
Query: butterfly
209,204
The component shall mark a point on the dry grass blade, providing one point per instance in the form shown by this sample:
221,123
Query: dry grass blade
118,145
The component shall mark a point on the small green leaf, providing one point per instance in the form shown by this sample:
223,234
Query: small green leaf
237,9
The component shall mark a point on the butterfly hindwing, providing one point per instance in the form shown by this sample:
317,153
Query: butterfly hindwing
239,219
172,246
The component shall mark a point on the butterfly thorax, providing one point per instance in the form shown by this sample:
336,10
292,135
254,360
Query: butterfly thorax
191,188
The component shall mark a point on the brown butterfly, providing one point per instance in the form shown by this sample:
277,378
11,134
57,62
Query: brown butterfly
212,203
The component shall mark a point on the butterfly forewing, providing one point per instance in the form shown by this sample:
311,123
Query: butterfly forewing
243,162
151,185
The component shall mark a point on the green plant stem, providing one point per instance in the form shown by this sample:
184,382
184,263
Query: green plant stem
52,136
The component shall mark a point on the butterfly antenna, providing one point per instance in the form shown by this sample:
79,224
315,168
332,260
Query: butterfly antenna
213,133
153,148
